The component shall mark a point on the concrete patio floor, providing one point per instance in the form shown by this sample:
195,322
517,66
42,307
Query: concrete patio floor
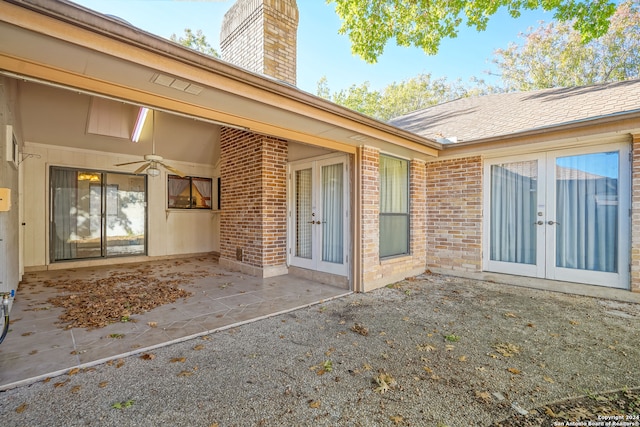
37,345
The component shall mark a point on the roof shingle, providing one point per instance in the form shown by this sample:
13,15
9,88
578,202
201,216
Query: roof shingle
468,119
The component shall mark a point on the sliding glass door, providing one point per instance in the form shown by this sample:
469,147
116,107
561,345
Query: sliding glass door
96,214
560,215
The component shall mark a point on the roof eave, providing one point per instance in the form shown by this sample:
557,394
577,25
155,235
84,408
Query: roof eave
88,19
543,130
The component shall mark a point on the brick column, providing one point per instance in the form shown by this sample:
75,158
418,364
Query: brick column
418,210
253,226
370,215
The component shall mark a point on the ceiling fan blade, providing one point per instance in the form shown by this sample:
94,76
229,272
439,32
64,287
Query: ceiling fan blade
130,163
172,169
142,168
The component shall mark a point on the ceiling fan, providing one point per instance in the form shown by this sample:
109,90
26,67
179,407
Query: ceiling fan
152,161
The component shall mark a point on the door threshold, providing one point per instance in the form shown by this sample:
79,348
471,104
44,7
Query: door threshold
320,276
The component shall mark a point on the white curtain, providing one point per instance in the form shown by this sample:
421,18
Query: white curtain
513,212
394,188
65,193
204,188
587,212
176,187
303,213
394,206
332,213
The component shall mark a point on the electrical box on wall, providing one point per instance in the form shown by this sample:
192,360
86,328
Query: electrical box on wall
5,199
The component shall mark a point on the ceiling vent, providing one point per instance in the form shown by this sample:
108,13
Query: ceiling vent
177,84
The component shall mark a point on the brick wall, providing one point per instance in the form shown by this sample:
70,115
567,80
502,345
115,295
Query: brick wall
253,172
378,272
370,216
454,214
261,36
635,215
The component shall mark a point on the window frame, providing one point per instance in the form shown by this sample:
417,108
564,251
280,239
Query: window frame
190,186
407,209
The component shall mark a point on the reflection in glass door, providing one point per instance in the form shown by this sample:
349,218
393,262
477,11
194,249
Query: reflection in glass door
96,214
585,236
560,215
318,235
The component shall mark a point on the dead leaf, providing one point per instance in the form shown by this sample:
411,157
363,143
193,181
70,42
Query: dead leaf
514,371
425,347
397,419
152,324
20,409
574,322
103,384
97,302
178,359
359,329
148,356
548,379
198,347
367,367
462,358
510,315
507,349
76,389
73,371
449,347
385,382
185,374
427,369
60,384
483,395
119,363
314,404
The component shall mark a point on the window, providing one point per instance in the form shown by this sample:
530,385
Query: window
394,206
189,192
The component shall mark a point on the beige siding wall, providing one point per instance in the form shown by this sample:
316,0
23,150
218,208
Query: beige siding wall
10,229
169,232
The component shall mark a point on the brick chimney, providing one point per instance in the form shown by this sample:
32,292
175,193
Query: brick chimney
261,36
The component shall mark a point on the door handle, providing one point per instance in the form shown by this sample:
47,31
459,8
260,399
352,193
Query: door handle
539,223
553,222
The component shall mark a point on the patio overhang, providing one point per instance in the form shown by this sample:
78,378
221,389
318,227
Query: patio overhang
62,44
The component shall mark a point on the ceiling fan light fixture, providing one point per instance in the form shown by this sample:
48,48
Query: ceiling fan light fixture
153,171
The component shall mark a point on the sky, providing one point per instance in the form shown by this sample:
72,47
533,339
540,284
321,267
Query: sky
322,52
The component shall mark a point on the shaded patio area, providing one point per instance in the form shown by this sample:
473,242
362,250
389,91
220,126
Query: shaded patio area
38,345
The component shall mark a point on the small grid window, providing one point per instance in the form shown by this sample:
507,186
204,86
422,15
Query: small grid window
189,192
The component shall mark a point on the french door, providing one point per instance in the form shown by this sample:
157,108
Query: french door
560,215
319,215
96,214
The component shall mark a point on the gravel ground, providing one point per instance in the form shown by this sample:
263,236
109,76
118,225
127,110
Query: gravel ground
429,351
